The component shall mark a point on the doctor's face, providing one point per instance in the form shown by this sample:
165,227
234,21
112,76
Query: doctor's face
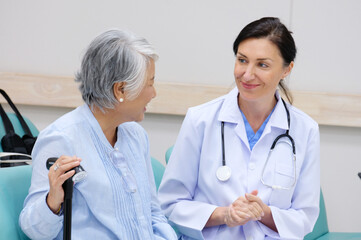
258,69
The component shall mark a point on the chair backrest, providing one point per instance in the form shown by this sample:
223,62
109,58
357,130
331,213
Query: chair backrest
17,127
321,226
158,171
168,153
14,187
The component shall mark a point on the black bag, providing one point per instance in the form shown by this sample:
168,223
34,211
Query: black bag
11,142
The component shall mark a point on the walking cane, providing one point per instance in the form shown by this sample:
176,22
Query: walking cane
68,187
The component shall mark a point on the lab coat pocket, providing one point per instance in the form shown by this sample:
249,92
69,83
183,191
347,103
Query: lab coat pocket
285,170
284,177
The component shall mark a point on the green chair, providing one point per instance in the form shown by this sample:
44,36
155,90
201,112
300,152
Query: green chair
158,171
320,230
168,153
14,186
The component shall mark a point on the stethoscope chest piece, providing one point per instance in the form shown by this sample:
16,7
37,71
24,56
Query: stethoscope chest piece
223,173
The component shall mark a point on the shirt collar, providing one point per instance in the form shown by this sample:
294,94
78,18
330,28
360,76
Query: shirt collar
230,112
94,124
279,116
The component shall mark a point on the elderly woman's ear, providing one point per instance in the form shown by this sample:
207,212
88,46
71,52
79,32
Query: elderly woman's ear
118,90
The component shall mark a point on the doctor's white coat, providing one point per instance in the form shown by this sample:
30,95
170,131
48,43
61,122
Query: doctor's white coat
190,190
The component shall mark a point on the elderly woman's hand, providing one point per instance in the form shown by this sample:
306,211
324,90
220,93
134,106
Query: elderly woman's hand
241,211
58,174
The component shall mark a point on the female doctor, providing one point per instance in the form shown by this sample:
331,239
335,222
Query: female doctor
246,165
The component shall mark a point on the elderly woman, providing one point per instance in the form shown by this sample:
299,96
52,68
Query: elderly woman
117,200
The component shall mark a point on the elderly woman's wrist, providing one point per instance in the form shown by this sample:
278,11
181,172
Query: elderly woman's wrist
53,206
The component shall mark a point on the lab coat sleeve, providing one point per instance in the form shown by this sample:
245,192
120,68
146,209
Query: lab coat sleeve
179,182
299,220
161,227
36,219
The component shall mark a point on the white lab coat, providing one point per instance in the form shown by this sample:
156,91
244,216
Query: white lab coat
190,190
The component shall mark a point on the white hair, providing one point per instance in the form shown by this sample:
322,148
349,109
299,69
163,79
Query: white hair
114,56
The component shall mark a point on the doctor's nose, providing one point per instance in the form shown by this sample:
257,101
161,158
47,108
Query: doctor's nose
154,92
249,73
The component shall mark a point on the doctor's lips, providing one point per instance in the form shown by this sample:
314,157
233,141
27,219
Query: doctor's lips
249,86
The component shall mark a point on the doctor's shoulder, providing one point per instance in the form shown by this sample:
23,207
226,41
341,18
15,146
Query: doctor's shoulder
302,119
207,110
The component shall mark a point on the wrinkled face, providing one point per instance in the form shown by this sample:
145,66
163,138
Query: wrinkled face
258,69
135,108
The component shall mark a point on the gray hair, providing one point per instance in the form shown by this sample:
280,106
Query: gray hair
114,56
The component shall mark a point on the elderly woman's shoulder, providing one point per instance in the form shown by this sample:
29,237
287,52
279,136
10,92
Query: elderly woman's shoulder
70,120
134,133
133,128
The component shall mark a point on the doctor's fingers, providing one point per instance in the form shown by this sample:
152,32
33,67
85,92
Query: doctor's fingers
254,198
240,202
236,218
252,210
256,210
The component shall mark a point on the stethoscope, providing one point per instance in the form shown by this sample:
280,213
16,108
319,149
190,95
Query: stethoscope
224,172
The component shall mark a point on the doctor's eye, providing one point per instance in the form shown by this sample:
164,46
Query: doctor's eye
242,60
263,65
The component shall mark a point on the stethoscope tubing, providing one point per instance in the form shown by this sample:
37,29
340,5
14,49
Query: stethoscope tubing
223,151
285,135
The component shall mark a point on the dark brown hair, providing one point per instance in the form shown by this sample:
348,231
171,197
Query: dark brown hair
275,31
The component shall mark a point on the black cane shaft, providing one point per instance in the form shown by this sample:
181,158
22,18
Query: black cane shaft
68,196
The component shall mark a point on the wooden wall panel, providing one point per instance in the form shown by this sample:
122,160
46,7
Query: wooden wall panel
175,98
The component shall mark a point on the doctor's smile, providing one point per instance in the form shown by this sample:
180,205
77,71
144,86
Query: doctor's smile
249,86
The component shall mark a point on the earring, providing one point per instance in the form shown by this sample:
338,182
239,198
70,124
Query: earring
121,99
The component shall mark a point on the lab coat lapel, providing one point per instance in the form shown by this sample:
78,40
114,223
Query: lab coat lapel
230,113
278,118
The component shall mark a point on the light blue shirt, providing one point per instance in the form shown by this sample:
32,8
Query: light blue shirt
117,200
190,190
251,135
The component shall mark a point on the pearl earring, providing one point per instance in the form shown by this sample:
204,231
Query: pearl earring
121,100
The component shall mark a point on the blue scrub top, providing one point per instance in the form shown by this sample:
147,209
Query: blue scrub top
251,135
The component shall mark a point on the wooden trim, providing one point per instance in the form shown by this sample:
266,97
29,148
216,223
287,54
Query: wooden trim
175,98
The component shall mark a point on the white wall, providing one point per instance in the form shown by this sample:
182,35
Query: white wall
194,40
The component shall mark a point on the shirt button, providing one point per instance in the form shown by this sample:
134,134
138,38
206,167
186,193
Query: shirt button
251,166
